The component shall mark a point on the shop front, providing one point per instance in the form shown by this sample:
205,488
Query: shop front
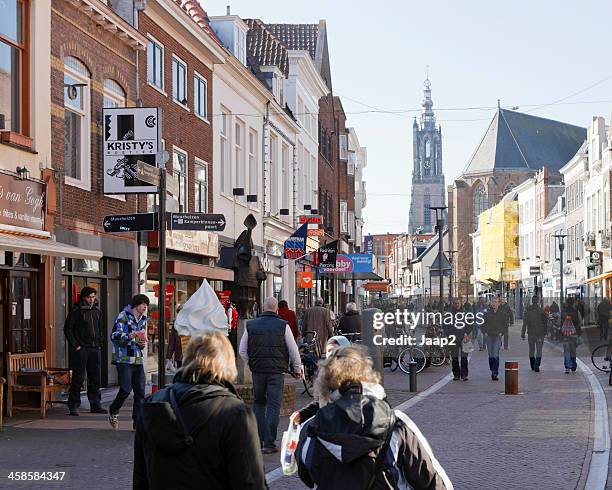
28,254
191,258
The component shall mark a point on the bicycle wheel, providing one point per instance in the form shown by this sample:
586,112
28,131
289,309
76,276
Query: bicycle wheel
309,376
599,358
437,356
411,354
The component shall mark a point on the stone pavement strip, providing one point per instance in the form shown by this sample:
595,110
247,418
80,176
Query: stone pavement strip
484,439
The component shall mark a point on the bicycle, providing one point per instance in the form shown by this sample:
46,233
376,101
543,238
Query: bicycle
309,355
601,359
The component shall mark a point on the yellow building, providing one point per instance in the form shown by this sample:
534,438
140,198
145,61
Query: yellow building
498,251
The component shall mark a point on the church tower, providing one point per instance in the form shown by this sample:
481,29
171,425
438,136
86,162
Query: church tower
427,175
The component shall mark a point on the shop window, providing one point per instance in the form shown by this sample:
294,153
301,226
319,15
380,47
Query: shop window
201,187
179,170
76,122
13,69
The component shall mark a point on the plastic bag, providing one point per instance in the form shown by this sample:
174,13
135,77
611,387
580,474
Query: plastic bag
468,347
288,447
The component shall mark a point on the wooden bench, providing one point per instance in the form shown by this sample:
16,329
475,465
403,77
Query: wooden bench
33,367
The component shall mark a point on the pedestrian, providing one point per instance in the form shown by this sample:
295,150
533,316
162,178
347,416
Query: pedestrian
270,350
356,440
480,307
461,335
467,306
317,319
505,307
493,327
197,432
603,316
535,323
288,315
129,338
581,307
570,334
350,323
83,330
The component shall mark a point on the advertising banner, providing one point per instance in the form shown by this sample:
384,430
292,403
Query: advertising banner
349,263
295,245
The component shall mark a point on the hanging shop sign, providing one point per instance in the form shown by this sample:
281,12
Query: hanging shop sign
304,279
22,203
131,135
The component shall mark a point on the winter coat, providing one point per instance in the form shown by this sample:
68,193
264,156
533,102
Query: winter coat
350,322
338,447
535,322
456,328
83,327
495,322
603,312
318,319
289,316
225,452
505,307
125,349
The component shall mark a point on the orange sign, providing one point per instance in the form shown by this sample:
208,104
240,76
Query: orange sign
304,279
381,286
316,232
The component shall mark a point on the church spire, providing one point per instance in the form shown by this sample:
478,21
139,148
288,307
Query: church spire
428,120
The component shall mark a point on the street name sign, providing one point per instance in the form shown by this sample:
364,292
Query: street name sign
148,173
197,221
130,222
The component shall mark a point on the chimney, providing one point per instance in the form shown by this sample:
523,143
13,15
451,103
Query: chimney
228,10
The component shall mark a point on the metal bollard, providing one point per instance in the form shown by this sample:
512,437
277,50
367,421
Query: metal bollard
512,378
413,376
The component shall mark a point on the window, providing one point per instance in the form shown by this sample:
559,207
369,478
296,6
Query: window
226,169
155,64
427,149
480,203
199,96
351,163
343,216
343,147
426,210
240,44
76,122
13,68
114,95
351,224
239,155
285,178
273,174
179,171
310,199
300,110
179,81
253,164
201,187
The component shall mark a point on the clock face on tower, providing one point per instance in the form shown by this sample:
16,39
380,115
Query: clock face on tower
427,163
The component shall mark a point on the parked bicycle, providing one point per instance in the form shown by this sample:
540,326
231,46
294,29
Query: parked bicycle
601,357
310,354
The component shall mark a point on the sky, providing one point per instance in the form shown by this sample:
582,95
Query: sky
548,58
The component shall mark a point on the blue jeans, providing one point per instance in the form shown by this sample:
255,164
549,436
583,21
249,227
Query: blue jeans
267,398
569,354
493,346
131,378
478,335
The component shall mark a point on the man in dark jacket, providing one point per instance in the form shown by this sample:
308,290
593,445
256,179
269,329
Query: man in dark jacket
350,323
460,332
83,329
495,321
535,322
269,348
603,315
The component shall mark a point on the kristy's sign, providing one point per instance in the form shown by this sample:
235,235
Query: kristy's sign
22,203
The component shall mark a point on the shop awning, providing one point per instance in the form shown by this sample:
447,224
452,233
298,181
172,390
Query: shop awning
42,246
189,269
600,277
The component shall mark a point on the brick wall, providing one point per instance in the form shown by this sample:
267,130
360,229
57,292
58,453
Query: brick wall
328,170
181,127
106,56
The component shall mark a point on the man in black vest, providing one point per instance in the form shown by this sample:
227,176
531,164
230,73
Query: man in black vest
269,348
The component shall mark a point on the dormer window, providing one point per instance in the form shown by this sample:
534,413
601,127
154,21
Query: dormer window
232,31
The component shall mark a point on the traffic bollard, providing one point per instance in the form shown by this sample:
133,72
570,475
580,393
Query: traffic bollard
512,378
413,376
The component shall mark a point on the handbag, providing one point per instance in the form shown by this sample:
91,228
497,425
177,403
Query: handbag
468,347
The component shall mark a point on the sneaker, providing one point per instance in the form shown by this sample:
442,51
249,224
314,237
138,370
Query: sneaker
537,370
98,410
494,377
113,419
455,378
567,371
465,378
269,450
73,413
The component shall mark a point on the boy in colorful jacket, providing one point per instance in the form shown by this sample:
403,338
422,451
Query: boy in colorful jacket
129,340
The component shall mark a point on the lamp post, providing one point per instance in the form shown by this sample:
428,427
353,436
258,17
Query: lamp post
561,238
439,226
451,254
501,275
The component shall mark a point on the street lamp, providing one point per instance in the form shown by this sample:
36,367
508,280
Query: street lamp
501,275
439,226
561,239
451,254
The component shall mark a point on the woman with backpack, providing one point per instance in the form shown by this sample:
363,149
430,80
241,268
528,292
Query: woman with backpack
197,433
570,333
356,440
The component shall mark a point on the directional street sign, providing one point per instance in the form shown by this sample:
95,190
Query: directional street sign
197,221
147,173
311,219
130,222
